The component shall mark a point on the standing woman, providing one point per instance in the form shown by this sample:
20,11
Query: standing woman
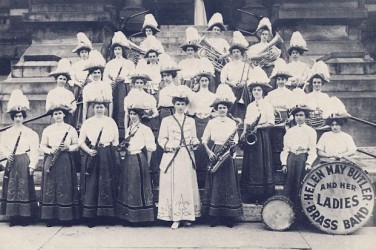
152,67
257,179
117,72
179,199
96,86
222,196
98,175
150,28
200,107
60,196
79,76
60,94
135,202
20,145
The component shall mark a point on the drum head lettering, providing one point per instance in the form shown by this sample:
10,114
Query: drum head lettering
337,197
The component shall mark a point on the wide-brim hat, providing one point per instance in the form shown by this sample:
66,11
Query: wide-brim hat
93,66
334,117
99,101
155,28
216,20
301,50
241,47
204,74
151,50
150,22
83,43
221,25
299,108
194,45
17,102
280,73
63,107
224,101
143,76
318,75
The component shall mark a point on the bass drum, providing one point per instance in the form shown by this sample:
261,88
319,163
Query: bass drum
337,197
278,213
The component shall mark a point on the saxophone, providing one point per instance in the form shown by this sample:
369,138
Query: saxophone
224,152
250,137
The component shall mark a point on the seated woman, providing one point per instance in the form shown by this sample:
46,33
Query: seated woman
179,199
98,180
60,94
117,72
95,68
59,202
19,144
222,197
135,201
152,67
336,145
265,52
150,28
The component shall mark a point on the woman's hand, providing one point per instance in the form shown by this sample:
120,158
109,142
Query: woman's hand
10,158
211,155
31,171
92,152
63,147
284,169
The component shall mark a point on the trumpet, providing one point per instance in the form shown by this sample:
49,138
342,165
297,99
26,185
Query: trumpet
207,50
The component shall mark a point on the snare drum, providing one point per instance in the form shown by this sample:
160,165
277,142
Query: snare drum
337,197
278,213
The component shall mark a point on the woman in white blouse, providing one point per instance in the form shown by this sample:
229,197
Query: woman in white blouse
222,196
19,144
150,28
135,202
117,72
336,144
98,174
59,201
257,179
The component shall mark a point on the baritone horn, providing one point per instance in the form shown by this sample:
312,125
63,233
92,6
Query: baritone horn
207,50
273,53
135,52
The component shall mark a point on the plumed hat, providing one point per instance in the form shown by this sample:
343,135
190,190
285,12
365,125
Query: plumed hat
17,102
119,39
139,73
321,70
280,69
338,111
99,97
301,107
216,20
238,42
192,39
83,43
181,92
59,104
224,95
150,22
264,24
63,68
206,68
95,61
297,42
259,78
168,65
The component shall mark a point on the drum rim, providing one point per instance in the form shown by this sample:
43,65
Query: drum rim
330,163
281,198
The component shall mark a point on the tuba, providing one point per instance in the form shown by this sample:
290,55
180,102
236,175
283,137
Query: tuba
273,53
225,150
207,50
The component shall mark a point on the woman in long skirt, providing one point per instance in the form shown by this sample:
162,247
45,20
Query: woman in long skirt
135,202
98,175
20,145
179,199
60,196
257,179
222,196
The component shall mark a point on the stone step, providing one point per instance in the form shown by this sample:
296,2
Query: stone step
363,83
351,66
27,85
33,68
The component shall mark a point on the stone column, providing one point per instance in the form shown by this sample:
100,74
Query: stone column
132,7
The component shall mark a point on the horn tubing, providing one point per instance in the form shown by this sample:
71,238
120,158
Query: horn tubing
27,121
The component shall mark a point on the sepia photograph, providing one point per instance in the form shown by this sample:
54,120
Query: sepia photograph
187,124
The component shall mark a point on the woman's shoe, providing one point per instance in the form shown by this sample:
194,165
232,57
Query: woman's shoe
187,223
175,225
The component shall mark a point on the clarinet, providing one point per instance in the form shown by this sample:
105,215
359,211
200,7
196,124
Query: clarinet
58,152
114,83
10,163
91,161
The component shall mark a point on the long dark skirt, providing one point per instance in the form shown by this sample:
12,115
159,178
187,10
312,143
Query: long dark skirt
257,179
119,92
276,141
222,196
77,117
238,109
135,201
294,177
18,196
59,189
202,159
98,192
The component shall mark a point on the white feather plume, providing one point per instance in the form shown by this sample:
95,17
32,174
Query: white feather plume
238,38
264,24
225,93
18,101
297,40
